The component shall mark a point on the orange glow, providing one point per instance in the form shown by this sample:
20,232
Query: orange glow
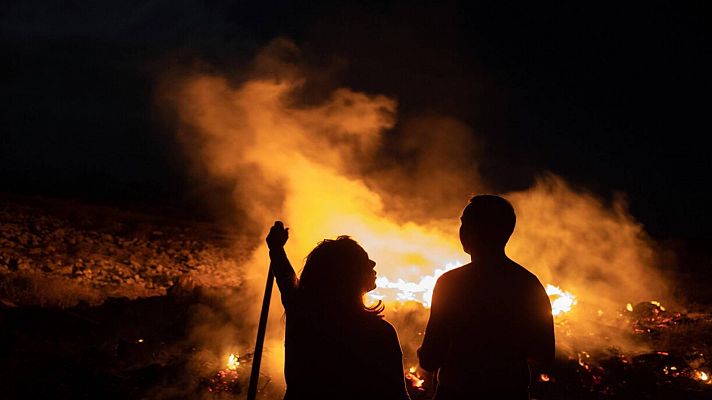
561,301
318,167
544,378
301,165
233,361
421,291
401,290
413,377
703,376
657,303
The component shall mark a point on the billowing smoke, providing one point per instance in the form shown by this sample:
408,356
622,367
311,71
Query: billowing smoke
334,166
573,240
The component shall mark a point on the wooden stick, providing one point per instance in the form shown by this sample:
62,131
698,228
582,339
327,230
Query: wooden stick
261,329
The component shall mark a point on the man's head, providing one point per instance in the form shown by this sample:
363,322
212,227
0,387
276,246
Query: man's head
487,223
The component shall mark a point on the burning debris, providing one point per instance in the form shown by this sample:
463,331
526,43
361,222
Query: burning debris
417,385
679,369
651,317
415,380
585,369
702,376
227,379
134,348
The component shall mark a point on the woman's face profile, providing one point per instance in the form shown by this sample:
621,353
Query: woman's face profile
371,280
369,273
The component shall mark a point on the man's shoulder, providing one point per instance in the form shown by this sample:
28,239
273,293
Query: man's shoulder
454,277
514,272
455,274
523,275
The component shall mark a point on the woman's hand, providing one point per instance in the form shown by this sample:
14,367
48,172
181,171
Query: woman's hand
277,236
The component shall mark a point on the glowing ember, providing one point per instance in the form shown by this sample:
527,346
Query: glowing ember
414,379
233,361
226,379
544,378
561,301
703,376
671,370
629,307
657,303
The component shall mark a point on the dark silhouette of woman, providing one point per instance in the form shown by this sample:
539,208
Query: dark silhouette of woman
335,347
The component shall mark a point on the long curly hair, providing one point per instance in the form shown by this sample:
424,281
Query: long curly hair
334,277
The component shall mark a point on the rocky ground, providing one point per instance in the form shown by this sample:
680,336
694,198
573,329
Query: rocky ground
58,252
109,302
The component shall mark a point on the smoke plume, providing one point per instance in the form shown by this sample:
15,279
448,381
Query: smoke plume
323,168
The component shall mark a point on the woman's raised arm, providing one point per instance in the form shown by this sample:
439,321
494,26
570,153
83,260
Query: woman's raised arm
279,263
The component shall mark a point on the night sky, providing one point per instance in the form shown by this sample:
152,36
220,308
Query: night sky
613,98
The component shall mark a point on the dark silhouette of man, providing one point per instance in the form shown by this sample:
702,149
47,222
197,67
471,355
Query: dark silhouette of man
490,320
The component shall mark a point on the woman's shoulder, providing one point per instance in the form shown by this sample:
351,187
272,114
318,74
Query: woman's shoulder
379,325
376,334
382,323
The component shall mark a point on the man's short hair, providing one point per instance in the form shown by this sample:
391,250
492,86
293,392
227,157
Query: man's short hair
491,218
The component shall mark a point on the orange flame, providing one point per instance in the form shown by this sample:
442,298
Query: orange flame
657,303
233,361
401,290
561,301
414,379
703,376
